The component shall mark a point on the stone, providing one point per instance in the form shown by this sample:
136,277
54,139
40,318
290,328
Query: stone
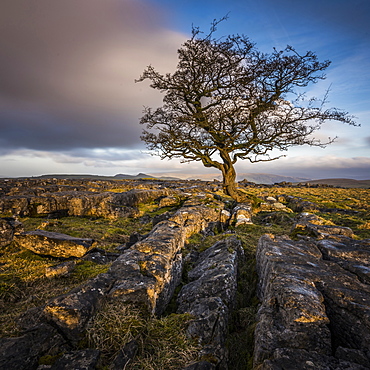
100,256
54,244
77,201
71,312
214,274
168,202
86,359
242,214
209,327
23,352
310,308
150,270
201,365
8,227
61,269
315,225
210,296
352,255
300,205
124,356
30,319
162,217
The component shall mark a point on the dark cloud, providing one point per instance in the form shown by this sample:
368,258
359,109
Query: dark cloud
68,68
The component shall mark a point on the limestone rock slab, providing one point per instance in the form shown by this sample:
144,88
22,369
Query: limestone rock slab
54,244
313,311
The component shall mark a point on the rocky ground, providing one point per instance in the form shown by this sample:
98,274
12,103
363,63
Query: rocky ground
312,282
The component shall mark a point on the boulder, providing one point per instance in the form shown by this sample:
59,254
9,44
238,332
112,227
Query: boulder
311,308
352,255
124,356
80,202
23,352
150,270
242,214
300,205
315,226
214,274
8,227
168,202
54,244
71,312
210,296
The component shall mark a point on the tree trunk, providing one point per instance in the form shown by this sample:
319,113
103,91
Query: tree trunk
229,183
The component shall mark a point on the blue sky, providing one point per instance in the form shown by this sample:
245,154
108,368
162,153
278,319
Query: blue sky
69,104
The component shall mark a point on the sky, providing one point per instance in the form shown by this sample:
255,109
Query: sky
69,102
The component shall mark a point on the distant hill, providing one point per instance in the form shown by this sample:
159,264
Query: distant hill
267,178
343,183
258,178
142,176
100,177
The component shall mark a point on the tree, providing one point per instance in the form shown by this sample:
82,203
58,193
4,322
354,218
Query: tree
228,101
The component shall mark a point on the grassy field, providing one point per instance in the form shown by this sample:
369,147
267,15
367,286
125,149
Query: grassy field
23,283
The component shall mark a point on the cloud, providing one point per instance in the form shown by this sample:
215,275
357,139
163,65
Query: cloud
314,167
68,69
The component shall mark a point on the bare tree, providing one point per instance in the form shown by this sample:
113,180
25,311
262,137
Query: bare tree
228,101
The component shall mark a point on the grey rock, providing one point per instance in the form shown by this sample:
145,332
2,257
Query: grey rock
70,312
8,227
169,202
352,255
242,214
124,356
78,360
22,353
209,297
214,274
310,308
54,244
209,326
316,227
150,270
201,365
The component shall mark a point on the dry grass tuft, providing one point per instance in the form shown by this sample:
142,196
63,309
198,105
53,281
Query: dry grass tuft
163,343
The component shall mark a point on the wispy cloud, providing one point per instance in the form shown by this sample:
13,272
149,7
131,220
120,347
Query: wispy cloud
68,71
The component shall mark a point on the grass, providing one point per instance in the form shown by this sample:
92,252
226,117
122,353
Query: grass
108,233
162,341
23,284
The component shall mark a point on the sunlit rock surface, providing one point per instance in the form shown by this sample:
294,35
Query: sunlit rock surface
151,269
242,214
70,312
54,244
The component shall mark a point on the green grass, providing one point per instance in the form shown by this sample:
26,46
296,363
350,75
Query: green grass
108,233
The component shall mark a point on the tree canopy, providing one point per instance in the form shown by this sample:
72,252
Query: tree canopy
228,101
